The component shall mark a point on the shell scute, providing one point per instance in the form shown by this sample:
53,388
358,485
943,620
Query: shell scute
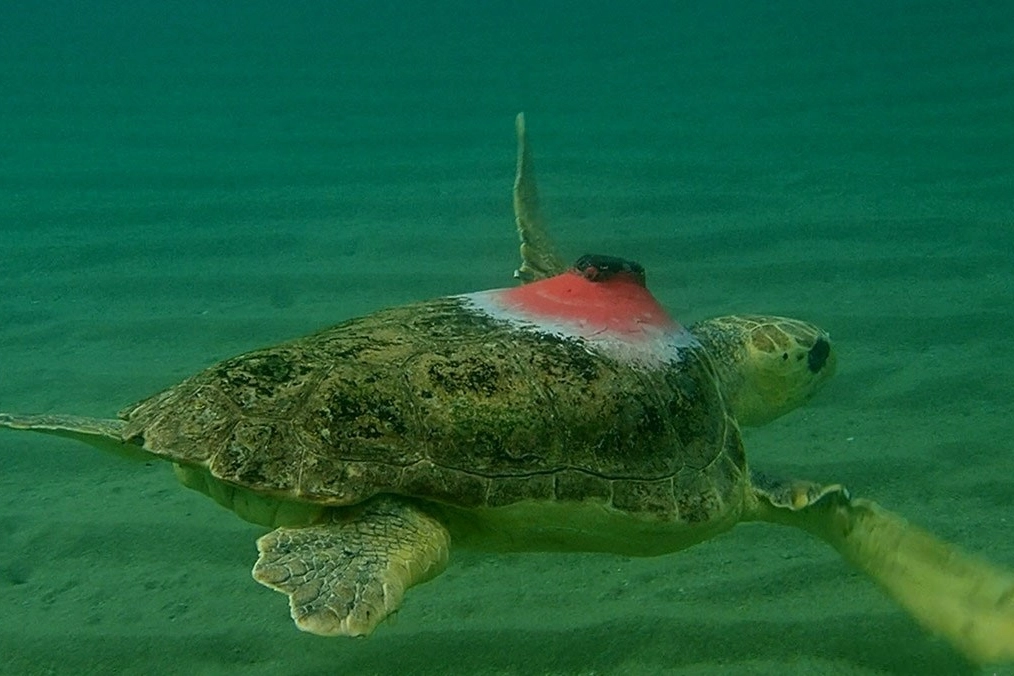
440,402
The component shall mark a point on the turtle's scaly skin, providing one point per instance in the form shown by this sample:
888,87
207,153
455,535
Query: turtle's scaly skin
767,365
348,572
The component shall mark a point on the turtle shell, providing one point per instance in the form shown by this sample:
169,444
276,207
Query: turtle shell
568,389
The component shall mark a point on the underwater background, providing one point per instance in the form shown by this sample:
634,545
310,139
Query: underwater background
184,181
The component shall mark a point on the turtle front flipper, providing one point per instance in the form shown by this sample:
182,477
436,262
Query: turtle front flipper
346,575
538,255
103,433
967,601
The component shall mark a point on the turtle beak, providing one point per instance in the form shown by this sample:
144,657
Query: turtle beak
818,356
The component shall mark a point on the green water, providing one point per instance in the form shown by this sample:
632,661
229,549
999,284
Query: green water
180,182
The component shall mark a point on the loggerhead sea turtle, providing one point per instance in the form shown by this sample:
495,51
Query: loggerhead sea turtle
569,413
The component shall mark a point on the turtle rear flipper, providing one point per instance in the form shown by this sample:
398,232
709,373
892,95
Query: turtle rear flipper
967,601
102,433
539,259
346,575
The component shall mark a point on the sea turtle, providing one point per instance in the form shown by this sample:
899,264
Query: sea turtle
568,413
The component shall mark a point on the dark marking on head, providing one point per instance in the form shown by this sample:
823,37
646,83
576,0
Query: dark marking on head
818,354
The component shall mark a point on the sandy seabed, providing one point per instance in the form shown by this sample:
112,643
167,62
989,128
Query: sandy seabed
159,215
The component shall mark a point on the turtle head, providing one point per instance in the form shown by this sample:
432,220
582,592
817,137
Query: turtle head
767,365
